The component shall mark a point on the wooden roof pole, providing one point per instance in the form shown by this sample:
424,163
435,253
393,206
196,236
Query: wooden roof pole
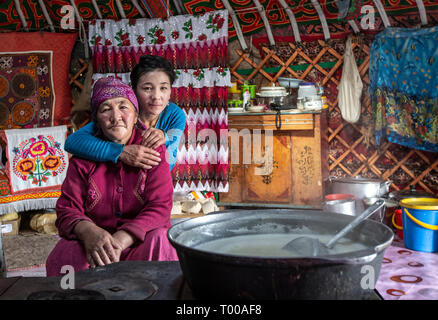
292,19
236,24
46,15
262,13
96,8
422,11
321,15
382,13
353,26
139,9
178,6
21,15
119,6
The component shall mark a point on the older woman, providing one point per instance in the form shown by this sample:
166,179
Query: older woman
152,80
110,212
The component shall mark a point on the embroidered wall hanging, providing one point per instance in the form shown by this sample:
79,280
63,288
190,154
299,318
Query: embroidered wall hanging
36,167
197,47
34,87
404,87
187,41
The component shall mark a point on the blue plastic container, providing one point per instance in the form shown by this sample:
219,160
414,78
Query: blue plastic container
420,224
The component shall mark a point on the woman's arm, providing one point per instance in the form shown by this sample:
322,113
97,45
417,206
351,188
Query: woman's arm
84,144
173,131
158,203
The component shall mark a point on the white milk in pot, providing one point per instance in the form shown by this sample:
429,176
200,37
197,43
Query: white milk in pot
271,245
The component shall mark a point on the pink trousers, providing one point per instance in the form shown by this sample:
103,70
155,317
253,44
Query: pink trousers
156,247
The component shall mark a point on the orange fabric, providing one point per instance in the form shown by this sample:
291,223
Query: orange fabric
61,44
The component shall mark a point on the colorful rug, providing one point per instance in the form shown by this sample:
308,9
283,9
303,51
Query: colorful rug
34,84
407,274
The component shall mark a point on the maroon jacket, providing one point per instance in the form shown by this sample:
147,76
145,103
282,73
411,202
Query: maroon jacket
116,196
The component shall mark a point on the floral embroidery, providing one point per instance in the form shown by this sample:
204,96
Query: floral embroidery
202,37
140,187
93,196
199,74
96,40
175,34
38,159
188,29
215,22
156,35
140,39
122,38
222,71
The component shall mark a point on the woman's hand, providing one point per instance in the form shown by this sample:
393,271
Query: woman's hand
153,138
140,156
100,246
124,239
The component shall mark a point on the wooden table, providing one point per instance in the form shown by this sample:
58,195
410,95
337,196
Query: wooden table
287,173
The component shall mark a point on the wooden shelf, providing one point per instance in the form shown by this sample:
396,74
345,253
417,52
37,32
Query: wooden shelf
266,121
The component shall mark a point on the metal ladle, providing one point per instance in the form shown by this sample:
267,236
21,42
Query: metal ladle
308,247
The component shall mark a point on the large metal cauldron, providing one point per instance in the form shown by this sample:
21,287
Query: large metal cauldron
212,275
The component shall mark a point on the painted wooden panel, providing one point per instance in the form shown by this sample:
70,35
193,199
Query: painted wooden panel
268,178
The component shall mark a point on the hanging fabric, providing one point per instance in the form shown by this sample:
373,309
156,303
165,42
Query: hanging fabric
404,87
350,87
197,46
187,41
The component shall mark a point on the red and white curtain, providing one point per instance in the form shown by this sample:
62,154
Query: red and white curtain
198,47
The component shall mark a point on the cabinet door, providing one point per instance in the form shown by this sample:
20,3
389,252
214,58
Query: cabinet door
268,177
236,140
306,168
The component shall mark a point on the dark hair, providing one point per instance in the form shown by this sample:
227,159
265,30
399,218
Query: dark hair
151,63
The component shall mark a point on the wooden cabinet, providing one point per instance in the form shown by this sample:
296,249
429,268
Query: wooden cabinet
272,167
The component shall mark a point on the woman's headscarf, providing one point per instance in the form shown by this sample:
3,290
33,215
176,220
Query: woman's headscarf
108,88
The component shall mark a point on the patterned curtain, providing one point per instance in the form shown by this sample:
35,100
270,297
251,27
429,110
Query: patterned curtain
404,87
197,46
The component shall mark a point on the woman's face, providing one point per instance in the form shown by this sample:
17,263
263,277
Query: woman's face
116,118
153,93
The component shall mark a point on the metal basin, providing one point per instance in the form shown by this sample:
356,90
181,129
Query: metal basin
213,275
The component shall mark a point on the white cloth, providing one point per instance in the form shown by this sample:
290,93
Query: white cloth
350,87
36,158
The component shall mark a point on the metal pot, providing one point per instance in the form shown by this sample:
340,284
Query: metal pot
359,187
213,275
344,204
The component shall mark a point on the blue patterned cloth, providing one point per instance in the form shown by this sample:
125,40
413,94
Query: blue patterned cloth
404,87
